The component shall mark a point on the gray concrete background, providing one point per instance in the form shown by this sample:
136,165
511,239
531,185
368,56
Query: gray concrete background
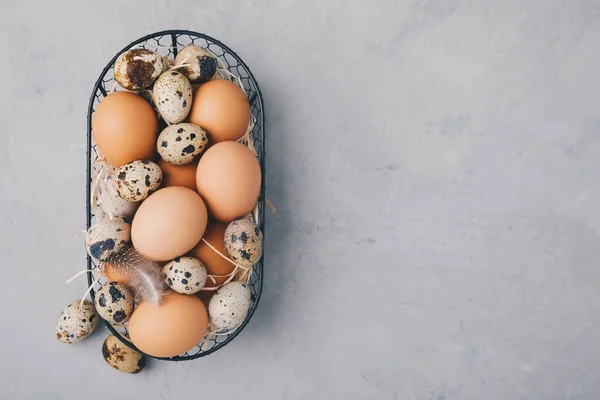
435,167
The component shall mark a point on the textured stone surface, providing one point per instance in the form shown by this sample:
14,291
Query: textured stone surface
435,167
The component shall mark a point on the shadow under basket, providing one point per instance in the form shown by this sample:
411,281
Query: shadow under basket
168,43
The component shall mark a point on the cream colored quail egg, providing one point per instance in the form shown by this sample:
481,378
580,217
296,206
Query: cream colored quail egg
243,241
111,203
172,95
178,144
229,306
200,64
121,357
76,322
185,275
137,180
114,302
138,68
106,237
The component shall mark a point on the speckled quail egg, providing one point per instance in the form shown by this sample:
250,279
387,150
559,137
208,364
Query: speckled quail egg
106,237
185,275
121,357
229,306
76,322
111,203
178,144
138,68
201,64
138,180
172,95
243,241
114,302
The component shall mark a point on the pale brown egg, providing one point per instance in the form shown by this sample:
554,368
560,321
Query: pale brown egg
213,262
179,175
172,328
229,180
169,223
125,128
222,109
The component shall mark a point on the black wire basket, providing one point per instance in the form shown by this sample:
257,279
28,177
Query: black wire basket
168,43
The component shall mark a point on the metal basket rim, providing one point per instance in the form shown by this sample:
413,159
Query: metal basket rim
98,87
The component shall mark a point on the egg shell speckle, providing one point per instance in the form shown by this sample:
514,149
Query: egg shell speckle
243,242
172,95
185,275
202,64
138,68
111,203
106,237
76,322
138,180
178,144
114,302
121,357
229,306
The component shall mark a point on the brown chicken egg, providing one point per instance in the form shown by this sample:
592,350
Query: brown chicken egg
179,175
169,223
172,328
229,180
213,262
125,128
221,108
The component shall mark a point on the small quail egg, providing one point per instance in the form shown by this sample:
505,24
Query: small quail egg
201,64
114,302
185,275
138,68
111,203
138,180
172,95
76,322
243,242
121,357
178,144
106,237
229,306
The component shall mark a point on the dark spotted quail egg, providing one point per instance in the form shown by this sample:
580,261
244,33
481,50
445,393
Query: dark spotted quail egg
106,237
178,144
76,322
243,242
185,275
172,94
138,180
138,68
200,64
114,302
229,306
121,357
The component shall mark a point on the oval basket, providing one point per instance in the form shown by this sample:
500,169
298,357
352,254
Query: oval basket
168,43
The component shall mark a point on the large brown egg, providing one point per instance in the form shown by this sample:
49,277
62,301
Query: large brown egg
172,328
222,109
169,223
214,263
229,179
125,127
179,175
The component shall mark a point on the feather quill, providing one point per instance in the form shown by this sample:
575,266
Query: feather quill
145,275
